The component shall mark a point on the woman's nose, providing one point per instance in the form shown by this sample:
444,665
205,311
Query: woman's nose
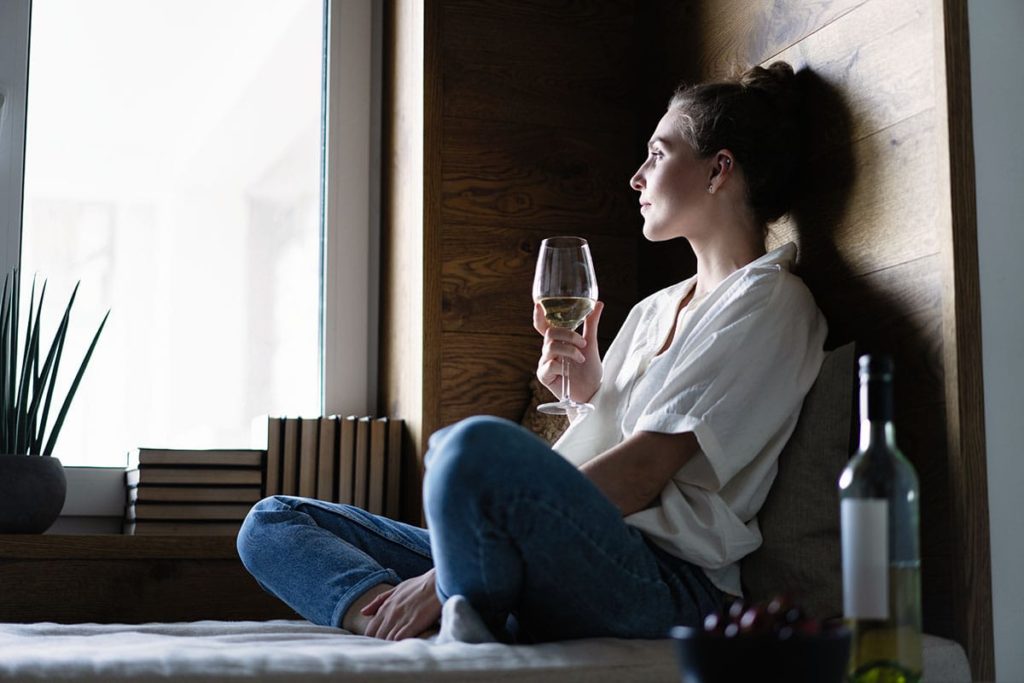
637,182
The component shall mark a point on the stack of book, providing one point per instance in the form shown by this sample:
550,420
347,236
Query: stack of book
191,492
353,460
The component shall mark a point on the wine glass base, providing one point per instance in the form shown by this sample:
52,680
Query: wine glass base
570,408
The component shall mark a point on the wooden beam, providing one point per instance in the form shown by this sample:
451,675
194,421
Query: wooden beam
965,410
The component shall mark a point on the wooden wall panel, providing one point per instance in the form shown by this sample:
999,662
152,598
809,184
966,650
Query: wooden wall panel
495,71
537,177
881,53
410,268
868,206
967,485
128,579
741,32
487,279
538,140
486,374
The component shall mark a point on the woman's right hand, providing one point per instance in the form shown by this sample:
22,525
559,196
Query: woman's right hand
581,351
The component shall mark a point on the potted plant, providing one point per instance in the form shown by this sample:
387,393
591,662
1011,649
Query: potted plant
32,484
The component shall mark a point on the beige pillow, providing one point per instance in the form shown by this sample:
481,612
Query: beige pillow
547,427
800,518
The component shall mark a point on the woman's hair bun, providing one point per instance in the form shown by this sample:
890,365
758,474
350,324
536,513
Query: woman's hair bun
776,81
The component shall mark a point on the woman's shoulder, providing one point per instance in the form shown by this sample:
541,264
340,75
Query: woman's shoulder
770,282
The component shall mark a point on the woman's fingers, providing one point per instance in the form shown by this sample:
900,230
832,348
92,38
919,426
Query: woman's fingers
540,323
591,322
549,372
559,349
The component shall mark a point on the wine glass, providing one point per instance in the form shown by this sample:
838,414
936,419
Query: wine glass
565,287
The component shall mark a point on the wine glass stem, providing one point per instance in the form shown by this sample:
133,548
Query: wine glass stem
565,380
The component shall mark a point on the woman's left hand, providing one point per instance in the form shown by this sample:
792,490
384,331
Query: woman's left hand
405,611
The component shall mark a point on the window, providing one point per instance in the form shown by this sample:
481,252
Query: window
174,158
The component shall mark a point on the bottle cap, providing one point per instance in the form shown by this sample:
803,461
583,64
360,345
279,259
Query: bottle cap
876,365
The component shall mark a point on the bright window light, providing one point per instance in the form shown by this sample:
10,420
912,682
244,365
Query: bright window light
172,164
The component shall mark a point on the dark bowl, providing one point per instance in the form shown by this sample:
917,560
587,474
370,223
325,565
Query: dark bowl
707,658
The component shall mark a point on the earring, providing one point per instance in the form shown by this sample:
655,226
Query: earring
711,189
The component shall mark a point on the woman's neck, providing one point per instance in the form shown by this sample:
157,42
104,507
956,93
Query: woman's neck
718,259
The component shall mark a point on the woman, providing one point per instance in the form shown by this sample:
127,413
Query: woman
643,520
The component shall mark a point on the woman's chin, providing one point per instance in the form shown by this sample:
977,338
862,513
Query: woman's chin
652,233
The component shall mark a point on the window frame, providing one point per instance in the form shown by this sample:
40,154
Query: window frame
350,187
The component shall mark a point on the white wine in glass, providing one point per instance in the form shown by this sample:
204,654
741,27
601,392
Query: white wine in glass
565,287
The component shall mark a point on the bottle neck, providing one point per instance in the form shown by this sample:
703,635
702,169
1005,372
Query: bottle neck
876,407
874,433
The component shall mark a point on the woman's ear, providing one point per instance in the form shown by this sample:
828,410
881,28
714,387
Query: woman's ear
721,169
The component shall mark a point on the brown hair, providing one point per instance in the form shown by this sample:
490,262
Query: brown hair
755,116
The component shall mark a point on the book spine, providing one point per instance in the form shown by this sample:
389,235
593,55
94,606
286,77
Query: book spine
378,454
309,449
347,461
362,464
326,480
290,461
275,455
392,498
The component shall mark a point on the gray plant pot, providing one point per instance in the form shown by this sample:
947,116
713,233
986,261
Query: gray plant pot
32,490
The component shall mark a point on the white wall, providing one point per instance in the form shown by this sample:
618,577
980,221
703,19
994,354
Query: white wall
997,87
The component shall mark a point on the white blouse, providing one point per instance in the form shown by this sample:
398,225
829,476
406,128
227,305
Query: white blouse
736,373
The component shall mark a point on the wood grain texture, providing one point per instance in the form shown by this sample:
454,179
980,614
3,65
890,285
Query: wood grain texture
487,278
859,212
406,230
128,579
544,178
549,18
738,33
879,55
494,70
133,591
486,374
115,547
967,489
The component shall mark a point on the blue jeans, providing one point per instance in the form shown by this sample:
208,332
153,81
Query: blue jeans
534,546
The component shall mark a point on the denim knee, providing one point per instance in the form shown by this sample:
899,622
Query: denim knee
248,543
470,457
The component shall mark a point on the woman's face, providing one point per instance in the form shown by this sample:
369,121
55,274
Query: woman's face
672,183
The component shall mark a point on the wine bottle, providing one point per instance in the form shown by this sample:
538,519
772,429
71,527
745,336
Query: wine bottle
878,494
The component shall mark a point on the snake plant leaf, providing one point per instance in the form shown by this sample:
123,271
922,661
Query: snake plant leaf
3,367
10,353
56,348
35,348
74,387
36,437
21,423
58,342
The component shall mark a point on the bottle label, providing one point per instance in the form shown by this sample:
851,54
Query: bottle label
865,546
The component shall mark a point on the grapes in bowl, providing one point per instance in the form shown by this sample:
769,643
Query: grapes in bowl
763,641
